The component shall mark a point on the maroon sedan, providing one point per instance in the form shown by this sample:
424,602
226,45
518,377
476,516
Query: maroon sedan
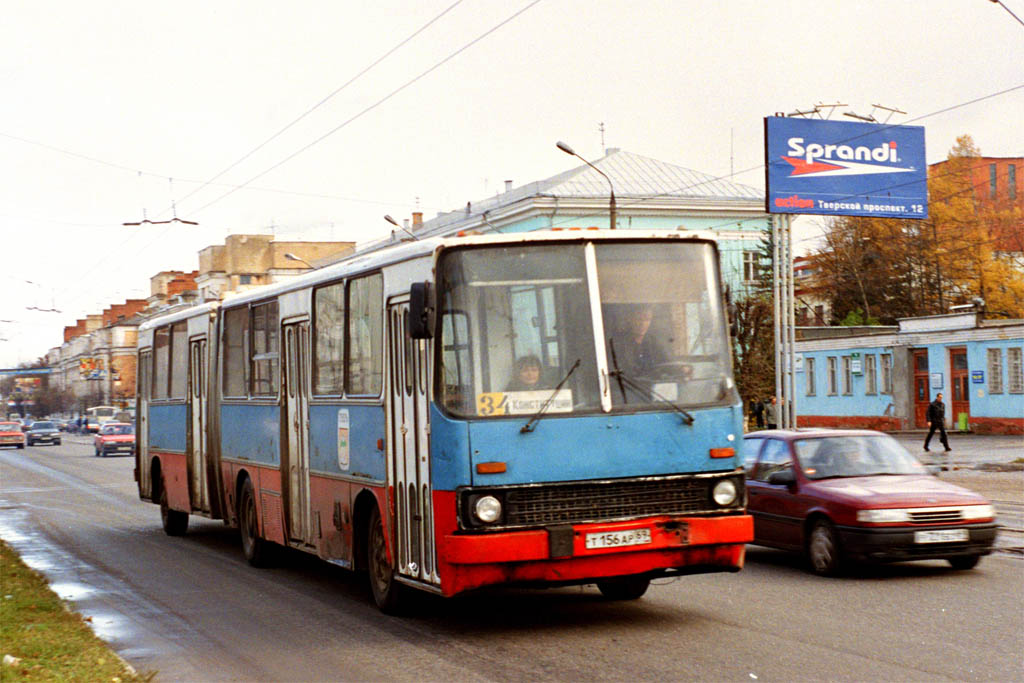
839,495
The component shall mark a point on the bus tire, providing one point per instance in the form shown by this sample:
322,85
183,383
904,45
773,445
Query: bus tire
175,522
624,587
253,547
387,591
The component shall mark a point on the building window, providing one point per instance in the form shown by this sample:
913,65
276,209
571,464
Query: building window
245,279
995,371
1015,370
886,373
992,181
809,373
751,266
819,314
1011,180
870,386
831,377
847,376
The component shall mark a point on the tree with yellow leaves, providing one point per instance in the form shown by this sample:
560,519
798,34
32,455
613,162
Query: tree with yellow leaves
892,268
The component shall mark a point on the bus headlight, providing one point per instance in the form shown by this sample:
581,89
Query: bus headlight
724,492
487,509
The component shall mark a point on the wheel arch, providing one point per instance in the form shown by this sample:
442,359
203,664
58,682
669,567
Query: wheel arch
362,508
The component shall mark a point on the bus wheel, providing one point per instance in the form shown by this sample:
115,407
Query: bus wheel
175,521
387,591
624,587
253,547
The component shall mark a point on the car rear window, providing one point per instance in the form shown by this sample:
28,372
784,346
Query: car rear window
42,425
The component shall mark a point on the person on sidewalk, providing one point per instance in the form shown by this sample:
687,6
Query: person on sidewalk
771,414
937,421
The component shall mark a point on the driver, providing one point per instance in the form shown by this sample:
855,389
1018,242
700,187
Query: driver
636,352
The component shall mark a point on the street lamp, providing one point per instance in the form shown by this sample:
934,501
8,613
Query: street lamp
611,189
292,257
393,222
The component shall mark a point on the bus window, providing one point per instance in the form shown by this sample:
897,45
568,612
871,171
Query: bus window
365,335
329,331
179,360
236,365
264,349
161,357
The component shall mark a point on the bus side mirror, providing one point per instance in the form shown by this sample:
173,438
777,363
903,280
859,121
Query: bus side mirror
421,310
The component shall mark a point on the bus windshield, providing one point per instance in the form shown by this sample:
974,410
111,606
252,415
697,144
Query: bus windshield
520,321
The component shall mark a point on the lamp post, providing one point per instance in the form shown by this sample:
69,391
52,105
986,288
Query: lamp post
393,222
611,189
292,257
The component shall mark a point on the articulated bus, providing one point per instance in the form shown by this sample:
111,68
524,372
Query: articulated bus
369,412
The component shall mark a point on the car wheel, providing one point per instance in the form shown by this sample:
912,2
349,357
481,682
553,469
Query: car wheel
253,547
964,561
175,522
57,442
387,591
21,445
823,552
624,587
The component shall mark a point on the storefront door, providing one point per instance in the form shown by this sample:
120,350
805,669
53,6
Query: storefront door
961,391
921,397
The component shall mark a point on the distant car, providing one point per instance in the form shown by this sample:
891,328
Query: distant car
115,437
91,426
858,495
11,434
43,431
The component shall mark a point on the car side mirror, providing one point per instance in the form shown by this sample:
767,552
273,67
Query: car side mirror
782,478
421,310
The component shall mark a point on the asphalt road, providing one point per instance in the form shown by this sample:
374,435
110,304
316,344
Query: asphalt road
191,609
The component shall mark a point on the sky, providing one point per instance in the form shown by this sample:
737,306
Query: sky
312,120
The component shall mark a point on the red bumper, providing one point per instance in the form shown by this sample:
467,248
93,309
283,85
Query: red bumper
686,544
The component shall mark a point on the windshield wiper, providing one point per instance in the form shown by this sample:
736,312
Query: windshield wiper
528,427
646,392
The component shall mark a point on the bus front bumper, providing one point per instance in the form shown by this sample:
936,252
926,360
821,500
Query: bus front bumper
580,553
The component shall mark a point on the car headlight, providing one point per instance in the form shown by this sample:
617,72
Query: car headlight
487,509
979,511
883,516
724,492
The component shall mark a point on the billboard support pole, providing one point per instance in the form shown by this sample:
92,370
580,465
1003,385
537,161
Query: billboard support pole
777,301
784,319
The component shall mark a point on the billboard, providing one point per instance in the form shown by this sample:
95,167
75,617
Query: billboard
836,168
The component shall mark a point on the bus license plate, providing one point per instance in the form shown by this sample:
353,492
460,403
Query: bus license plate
941,536
618,539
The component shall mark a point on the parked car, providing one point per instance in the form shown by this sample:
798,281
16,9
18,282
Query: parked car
43,431
11,434
115,437
857,495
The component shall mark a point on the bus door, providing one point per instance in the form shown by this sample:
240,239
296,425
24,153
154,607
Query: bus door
409,449
143,392
295,458
198,488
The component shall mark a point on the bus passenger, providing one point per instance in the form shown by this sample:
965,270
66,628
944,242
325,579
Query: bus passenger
528,371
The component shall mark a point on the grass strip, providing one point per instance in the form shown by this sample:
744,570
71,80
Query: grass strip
41,639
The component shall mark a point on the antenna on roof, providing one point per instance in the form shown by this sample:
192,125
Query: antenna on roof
888,109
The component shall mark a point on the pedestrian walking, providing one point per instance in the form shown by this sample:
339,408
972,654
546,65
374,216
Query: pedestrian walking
937,422
771,414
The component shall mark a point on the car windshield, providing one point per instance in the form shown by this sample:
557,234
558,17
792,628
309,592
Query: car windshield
854,456
519,321
10,426
118,429
43,425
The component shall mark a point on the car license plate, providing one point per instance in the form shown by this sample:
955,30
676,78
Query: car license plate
619,539
941,536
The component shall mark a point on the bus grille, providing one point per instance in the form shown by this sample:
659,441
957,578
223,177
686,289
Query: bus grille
575,503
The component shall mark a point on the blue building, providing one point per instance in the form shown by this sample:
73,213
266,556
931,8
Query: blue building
650,194
885,377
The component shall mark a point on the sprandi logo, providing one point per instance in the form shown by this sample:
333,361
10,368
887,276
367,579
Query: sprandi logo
819,160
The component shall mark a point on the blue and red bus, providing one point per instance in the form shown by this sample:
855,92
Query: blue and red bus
370,412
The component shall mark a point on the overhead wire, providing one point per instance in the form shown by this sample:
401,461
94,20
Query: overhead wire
366,110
